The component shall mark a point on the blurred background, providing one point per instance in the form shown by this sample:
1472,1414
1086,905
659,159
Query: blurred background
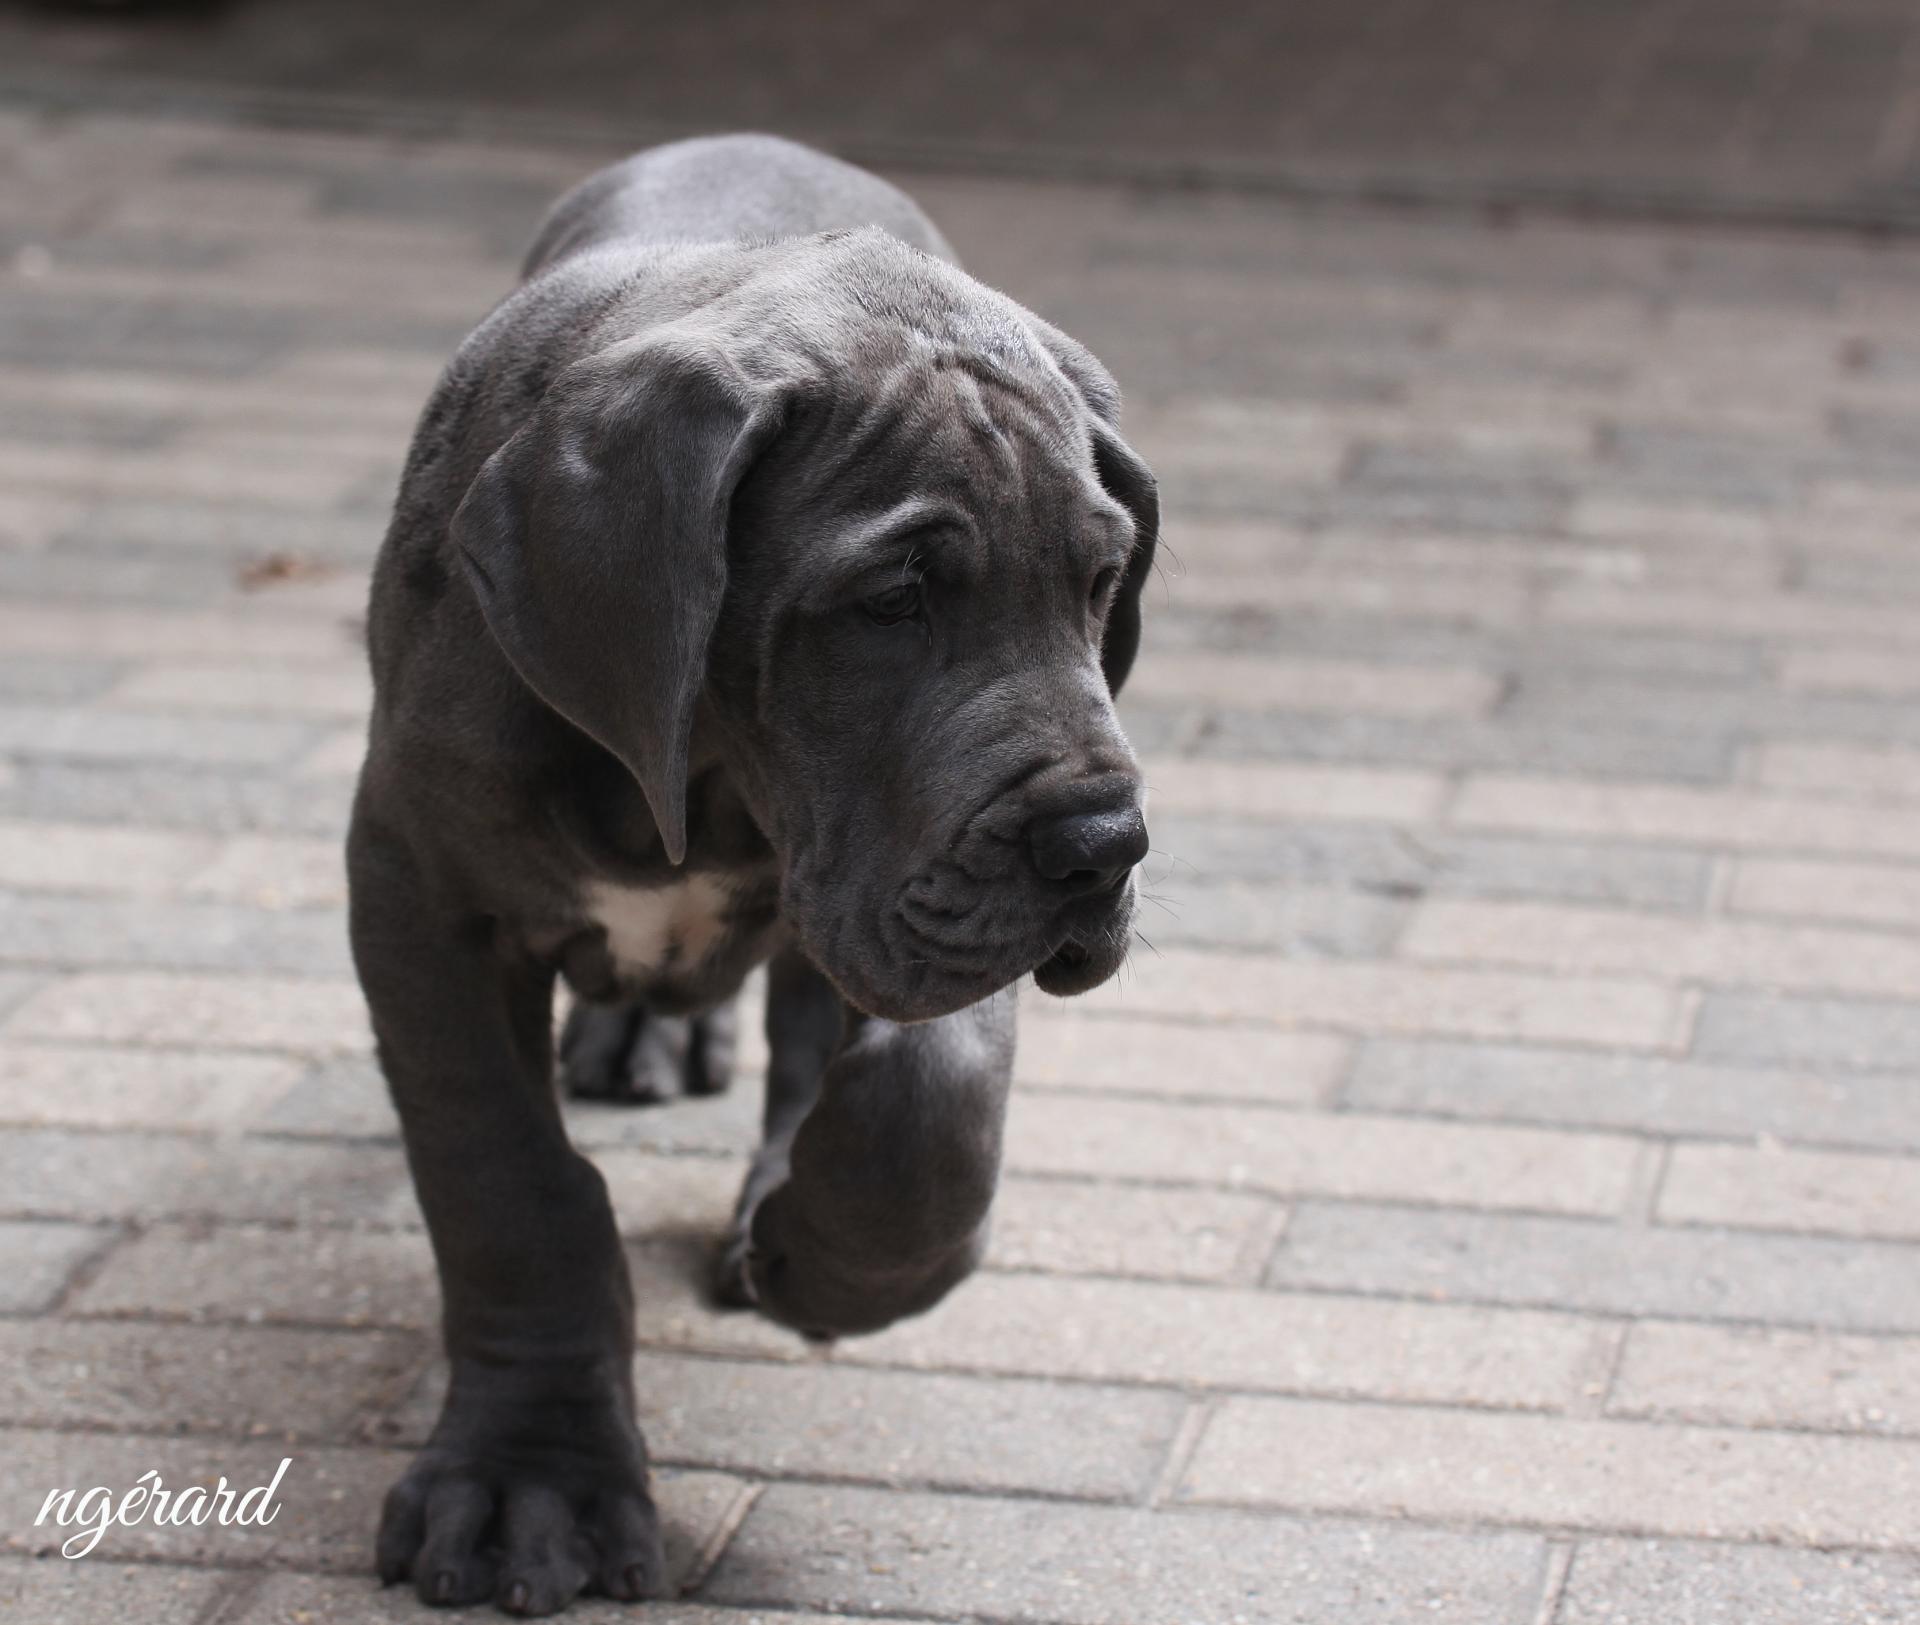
1491,1193
1787,108
1784,108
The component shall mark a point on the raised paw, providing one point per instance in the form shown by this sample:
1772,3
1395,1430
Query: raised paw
630,1055
528,1517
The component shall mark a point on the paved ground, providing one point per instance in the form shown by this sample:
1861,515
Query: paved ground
1796,108
1494,1202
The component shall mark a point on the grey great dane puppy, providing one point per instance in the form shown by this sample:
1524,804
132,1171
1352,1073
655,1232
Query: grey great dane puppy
757,590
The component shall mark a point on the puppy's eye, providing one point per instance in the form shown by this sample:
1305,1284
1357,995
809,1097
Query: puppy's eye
1102,590
898,603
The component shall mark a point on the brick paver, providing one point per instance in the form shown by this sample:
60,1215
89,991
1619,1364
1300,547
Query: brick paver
1489,1196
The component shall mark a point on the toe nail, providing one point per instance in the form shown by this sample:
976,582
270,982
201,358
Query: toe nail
637,1580
518,1596
443,1586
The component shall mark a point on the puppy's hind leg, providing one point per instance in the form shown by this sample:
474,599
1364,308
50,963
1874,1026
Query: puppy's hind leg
630,1055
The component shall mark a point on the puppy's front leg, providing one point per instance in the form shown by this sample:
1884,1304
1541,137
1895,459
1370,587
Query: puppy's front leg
869,1200
533,1486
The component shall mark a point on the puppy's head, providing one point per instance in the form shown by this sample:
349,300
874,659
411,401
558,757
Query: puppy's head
871,527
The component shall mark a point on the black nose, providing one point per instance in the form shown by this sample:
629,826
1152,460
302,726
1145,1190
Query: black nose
1089,851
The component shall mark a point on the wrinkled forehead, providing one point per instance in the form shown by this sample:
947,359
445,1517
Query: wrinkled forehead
986,454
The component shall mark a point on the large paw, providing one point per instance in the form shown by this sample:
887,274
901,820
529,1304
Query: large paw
628,1054
778,1262
526,1517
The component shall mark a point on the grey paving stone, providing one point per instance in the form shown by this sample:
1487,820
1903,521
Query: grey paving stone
1577,1088
101,576
198,335
228,532
1608,752
60,1173
1674,460
14,988
1855,576
56,1173
716,1123
827,1420
94,734
341,1095
167,1379
308,1015
1670,1582
1860,1033
1161,1333
1288,1152
1400,864
1309,923
41,333
1744,1376
75,932
1172,1059
1519,650
1243,1338
40,1258
54,1591
1567,1472
1577,701
176,798
1088,1228
264,1276
442,193
1602,1268
973,1556
94,1086
1464,503
1448,491
48,679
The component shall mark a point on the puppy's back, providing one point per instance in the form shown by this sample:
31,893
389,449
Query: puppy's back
723,189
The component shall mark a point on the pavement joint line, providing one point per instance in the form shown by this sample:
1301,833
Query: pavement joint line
716,1543
234,1597
1194,1422
1595,1372
1262,1242
1648,1179
1689,998
11,999
1553,1581
113,1236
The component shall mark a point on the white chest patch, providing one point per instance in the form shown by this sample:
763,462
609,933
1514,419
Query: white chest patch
647,926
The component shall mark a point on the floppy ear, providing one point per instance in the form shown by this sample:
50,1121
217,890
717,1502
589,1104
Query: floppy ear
1127,480
595,540
1130,483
